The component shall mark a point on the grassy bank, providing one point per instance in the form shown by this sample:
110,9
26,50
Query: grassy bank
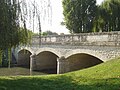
105,76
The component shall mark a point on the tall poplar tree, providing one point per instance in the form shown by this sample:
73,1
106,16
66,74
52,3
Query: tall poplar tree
79,15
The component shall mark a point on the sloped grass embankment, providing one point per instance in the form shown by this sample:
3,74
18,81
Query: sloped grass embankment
105,76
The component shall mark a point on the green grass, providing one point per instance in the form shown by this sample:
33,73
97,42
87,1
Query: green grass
105,76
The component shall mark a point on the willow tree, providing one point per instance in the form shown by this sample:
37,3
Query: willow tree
79,15
11,34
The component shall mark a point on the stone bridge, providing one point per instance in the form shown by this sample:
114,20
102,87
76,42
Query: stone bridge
65,53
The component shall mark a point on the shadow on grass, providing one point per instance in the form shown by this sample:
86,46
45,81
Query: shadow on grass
57,83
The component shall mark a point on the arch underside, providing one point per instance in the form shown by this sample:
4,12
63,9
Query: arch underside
46,62
24,58
81,61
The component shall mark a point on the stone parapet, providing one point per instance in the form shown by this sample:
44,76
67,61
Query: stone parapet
89,39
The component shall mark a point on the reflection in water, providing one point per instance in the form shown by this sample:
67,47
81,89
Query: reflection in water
16,71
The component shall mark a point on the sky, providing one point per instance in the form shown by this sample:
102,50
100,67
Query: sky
57,18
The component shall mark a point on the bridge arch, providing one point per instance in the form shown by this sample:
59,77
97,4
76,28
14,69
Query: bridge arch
26,48
23,59
46,60
79,59
54,51
89,52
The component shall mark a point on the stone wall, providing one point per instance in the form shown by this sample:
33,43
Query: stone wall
89,39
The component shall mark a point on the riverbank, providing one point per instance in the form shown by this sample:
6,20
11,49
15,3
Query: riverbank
105,76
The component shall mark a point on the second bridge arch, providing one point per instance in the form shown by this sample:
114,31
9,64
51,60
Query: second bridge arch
46,61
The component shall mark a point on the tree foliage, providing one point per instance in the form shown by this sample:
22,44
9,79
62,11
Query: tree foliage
49,33
85,16
79,15
11,33
110,15
12,17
